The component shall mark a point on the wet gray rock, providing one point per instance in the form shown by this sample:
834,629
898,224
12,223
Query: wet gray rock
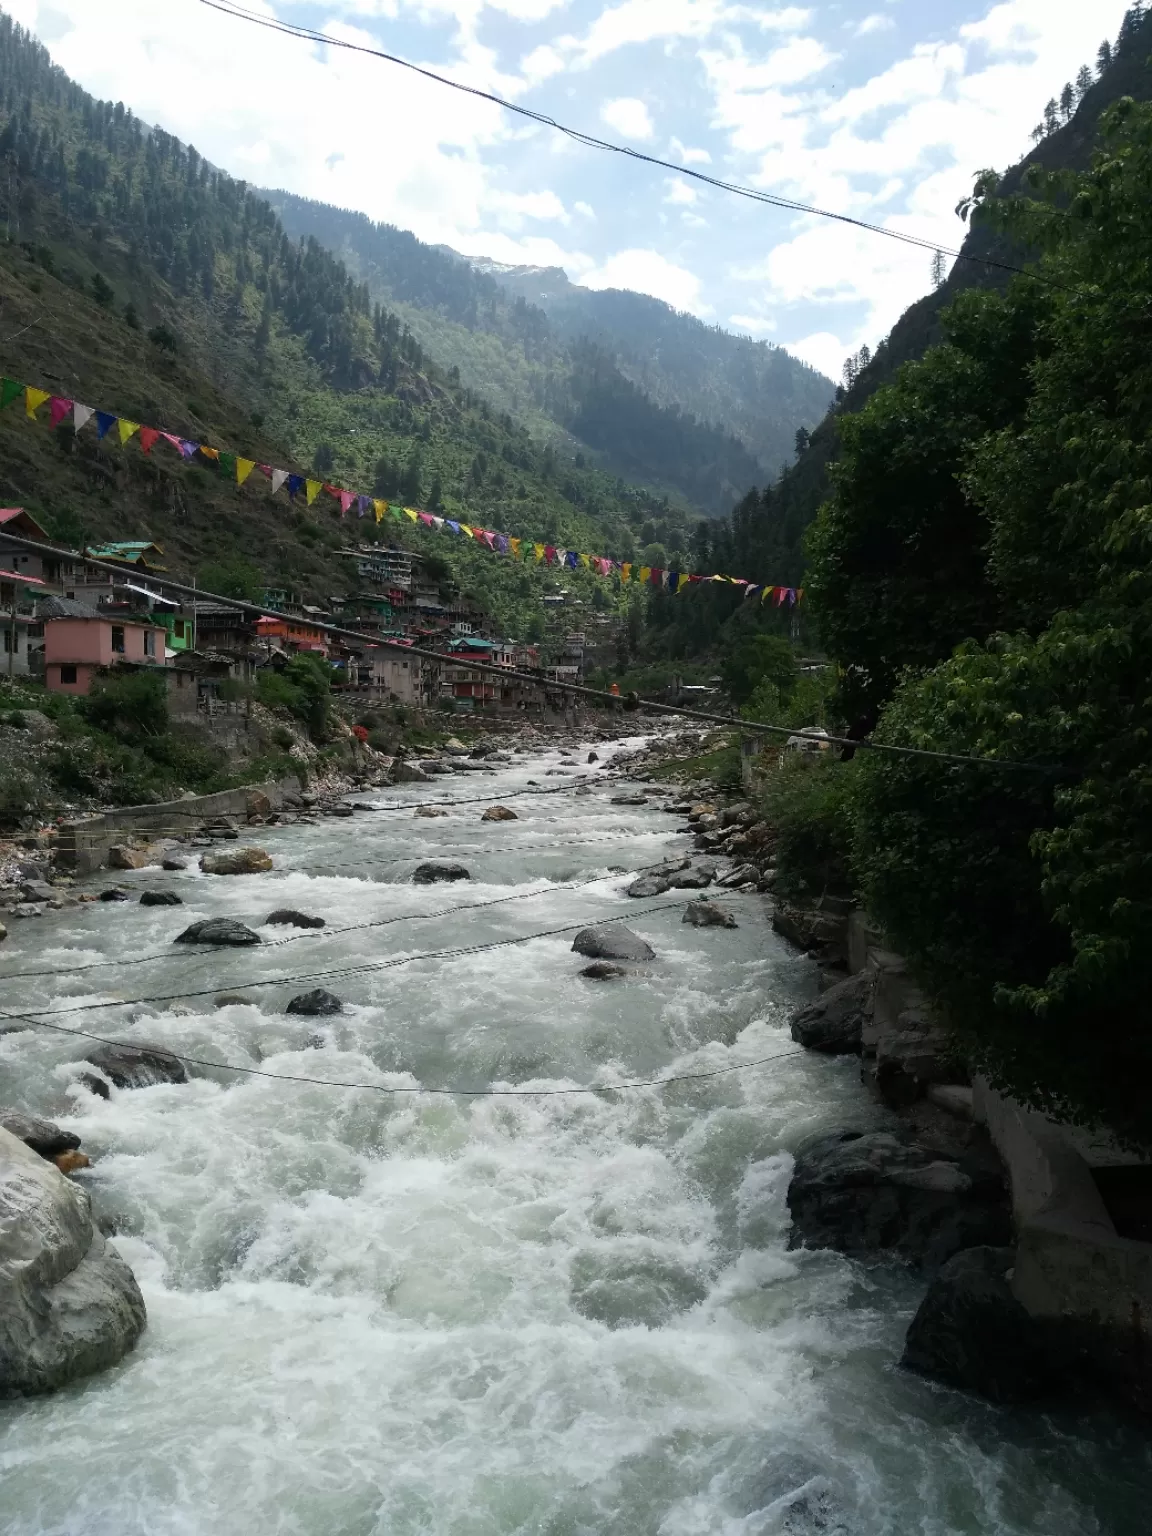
865,1193
436,869
971,1332
593,757
45,1138
409,773
135,1066
236,861
36,890
603,970
217,930
696,878
69,1305
628,800
654,884
834,1022
293,919
315,1004
612,941
113,893
707,914
227,999
173,865
339,810
741,875
160,899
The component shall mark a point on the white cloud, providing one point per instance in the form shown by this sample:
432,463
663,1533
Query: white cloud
526,10
541,64
513,208
754,325
822,350
874,23
681,192
585,210
689,156
647,271
629,116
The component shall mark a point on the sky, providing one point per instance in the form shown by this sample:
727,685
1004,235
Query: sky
881,109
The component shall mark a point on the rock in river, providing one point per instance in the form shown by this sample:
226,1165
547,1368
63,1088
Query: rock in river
612,941
971,1331
864,1193
833,1023
135,1066
429,811
654,884
707,914
69,1305
160,899
315,1004
428,874
113,893
217,930
603,970
499,813
695,879
45,1138
294,919
236,861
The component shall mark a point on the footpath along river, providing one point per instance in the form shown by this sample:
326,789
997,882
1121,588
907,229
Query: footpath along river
427,1315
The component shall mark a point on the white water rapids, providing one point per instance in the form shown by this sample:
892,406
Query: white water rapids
418,1315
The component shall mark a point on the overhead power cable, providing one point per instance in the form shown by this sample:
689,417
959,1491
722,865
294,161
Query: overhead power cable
359,968
450,1093
509,674
203,951
772,199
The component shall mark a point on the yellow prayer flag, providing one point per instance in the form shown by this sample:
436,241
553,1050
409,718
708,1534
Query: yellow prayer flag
126,429
645,572
33,400
410,515
471,532
244,468
626,572
586,562
380,508
514,546
682,583
766,594
312,489
538,550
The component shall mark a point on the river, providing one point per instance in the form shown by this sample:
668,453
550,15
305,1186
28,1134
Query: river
411,1314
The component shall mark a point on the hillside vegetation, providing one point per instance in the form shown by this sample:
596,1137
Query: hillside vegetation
142,281
981,574
658,396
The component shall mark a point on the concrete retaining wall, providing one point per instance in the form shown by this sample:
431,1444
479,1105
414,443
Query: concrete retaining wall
83,845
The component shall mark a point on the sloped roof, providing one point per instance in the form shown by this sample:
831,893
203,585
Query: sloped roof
15,517
65,608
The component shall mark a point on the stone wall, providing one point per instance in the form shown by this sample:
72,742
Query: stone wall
83,845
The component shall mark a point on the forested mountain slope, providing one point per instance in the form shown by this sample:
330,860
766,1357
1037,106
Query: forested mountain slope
657,395
777,519
140,280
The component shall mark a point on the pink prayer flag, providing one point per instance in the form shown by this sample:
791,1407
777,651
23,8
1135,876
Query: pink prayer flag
170,437
59,409
346,500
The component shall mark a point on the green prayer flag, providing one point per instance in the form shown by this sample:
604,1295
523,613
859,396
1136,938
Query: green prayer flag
9,390
227,462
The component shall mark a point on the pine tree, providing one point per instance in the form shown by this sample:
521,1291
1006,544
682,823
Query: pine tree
1051,116
1067,101
1083,82
1103,56
939,269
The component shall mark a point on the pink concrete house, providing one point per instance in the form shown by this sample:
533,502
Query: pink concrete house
78,642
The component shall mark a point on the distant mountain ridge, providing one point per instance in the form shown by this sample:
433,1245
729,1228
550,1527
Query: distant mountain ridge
685,408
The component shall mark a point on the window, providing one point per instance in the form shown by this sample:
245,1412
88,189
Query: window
118,638
67,674
8,638
149,642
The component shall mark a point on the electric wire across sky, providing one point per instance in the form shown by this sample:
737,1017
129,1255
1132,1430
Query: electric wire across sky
591,141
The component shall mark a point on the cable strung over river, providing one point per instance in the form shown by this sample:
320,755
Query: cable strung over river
493,1242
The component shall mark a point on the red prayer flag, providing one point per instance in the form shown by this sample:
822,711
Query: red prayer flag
148,436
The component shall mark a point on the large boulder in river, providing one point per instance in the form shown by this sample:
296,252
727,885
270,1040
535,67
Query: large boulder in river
612,941
654,884
43,1136
135,1066
697,878
499,813
869,1192
293,919
835,1021
217,930
603,970
236,861
971,1332
69,1305
708,914
409,773
316,1004
437,869
160,899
